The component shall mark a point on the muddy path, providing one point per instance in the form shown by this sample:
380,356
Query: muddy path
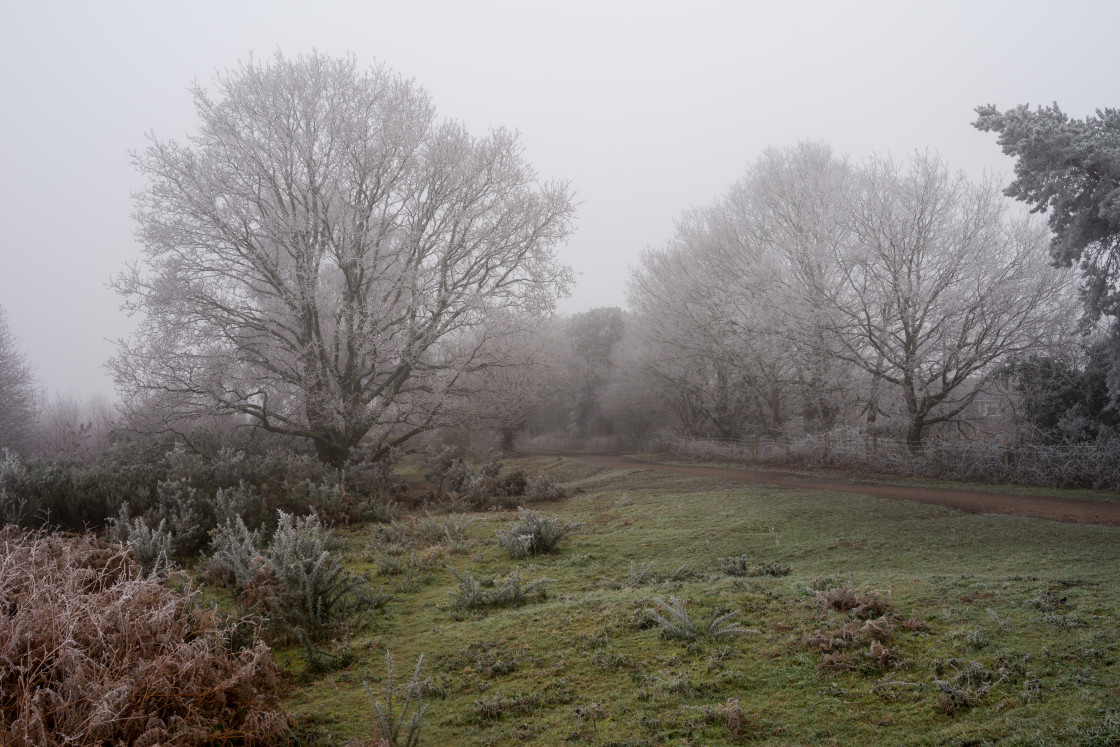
973,501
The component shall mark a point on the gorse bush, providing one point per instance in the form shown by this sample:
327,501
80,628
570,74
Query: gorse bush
188,515
398,722
544,488
180,485
96,652
509,591
151,546
742,565
243,502
237,555
311,588
534,534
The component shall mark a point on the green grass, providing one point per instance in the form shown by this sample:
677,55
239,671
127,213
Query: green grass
586,665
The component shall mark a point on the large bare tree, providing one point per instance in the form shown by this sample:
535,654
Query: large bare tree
939,284
321,252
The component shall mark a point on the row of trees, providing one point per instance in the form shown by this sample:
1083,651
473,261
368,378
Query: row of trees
826,292
326,260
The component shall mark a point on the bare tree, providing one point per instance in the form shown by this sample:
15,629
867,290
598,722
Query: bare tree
521,369
318,253
75,427
814,286
19,394
939,285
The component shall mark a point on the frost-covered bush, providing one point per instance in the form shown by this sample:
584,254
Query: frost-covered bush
150,545
188,514
534,533
509,591
97,652
311,588
243,502
544,488
451,530
237,554
14,504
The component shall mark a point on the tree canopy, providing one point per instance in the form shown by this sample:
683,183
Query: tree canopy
1070,169
324,256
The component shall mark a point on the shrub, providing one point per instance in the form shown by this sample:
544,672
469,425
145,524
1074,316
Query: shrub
237,556
95,652
735,566
510,592
395,725
14,505
451,530
151,546
534,534
188,515
311,588
242,502
544,488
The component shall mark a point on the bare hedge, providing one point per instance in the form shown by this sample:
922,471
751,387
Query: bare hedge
1087,465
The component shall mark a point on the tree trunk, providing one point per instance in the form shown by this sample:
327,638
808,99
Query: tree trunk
915,435
332,453
508,434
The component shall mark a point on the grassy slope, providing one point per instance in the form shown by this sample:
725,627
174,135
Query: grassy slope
583,665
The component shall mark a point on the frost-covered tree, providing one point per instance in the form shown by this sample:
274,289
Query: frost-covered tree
521,370
321,251
1070,169
938,285
19,393
821,290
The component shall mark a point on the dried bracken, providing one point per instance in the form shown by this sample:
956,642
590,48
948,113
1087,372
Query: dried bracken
94,652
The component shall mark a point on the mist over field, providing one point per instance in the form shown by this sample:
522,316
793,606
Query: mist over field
633,374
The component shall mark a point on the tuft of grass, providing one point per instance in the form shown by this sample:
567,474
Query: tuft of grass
676,623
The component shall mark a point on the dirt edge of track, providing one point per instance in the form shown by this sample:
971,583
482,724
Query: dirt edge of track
973,501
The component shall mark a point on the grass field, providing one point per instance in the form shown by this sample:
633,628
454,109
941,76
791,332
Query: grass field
973,629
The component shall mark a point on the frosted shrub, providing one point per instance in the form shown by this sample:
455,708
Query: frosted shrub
236,556
399,723
151,546
14,506
675,622
312,588
450,531
544,488
188,516
534,534
509,591
240,503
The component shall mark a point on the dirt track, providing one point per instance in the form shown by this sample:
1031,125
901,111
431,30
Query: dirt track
974,501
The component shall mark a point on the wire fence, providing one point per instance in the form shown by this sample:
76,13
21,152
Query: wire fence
1088,465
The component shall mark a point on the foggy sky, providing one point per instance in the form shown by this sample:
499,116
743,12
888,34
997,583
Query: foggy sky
645,108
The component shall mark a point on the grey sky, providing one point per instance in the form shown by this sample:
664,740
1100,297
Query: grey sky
645,107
